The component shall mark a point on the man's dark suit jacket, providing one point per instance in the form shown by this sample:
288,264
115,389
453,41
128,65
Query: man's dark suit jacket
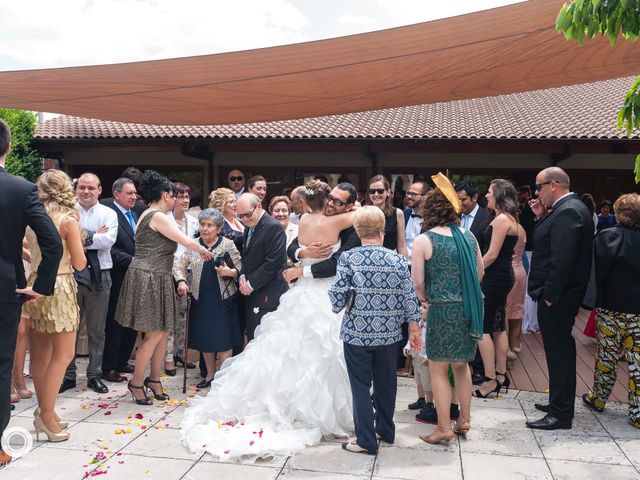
348,239
20,207
562,253
125,247
479,225
263,261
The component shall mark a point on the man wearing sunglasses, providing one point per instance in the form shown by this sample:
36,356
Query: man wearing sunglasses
236,182
341,200
263,258
560,270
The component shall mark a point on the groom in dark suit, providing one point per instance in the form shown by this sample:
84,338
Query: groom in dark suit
20,207
263,259
560,268
119,340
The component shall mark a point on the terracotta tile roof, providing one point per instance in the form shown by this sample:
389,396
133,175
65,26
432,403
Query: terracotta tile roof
579,111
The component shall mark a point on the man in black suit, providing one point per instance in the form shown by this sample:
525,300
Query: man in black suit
341,199
474,218
263,258
119,340
560,268
20,207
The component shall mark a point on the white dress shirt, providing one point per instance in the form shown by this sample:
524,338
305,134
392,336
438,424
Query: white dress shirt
467,218
412,230
238,193
92,220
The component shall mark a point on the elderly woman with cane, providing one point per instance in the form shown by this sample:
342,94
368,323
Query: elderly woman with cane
214,326
374,285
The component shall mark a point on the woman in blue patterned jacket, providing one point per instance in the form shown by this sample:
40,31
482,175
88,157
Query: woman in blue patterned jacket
374,285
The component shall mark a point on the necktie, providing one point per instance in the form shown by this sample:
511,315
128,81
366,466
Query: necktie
132,222
249,234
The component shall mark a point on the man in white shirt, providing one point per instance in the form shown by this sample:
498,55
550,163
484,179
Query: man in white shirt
94,282
412,219
236,182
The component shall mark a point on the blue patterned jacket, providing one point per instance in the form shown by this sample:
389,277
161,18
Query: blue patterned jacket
384,296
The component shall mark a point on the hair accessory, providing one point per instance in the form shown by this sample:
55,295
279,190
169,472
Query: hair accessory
444,184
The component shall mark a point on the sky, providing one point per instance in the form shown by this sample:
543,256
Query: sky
45,33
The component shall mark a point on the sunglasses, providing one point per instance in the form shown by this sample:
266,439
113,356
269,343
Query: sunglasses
246,214
379,191
540,185
336,201
236,179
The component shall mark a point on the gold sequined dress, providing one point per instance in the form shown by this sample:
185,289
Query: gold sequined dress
58,312
147,300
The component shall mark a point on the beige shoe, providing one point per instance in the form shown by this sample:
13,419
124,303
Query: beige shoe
51,436
61,423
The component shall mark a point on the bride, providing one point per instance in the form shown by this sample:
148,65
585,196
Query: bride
289,387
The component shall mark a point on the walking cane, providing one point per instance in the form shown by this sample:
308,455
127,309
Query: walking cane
186,345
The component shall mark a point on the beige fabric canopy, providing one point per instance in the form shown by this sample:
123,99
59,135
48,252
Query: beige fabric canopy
504,50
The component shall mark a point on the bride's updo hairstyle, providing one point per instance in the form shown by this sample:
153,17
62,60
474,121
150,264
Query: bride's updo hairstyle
315,193
153,185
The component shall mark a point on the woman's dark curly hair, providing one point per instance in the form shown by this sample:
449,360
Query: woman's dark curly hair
153,185
436,210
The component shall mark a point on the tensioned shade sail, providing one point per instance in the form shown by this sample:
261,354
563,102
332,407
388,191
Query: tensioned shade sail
503,50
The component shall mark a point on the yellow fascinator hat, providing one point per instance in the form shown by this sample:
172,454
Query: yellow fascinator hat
444,184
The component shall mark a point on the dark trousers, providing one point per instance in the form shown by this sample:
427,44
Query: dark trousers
119,341
556,323
242,318
377,366
9,319
253,319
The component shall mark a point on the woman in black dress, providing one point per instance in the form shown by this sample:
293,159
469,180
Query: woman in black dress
213,320
500,239
379,195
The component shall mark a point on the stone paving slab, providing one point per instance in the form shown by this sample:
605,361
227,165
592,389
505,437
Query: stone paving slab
113,439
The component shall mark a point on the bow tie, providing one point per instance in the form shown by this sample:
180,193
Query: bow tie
415,215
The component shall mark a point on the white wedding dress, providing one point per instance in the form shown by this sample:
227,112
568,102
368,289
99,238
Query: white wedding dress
286,390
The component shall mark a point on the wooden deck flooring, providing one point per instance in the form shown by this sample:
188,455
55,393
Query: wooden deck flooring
529,371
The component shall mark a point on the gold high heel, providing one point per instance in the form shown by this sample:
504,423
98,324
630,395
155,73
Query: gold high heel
23,393
63,424
53,437
437,436
464,428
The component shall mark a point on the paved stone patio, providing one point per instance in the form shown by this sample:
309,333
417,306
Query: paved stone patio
109,442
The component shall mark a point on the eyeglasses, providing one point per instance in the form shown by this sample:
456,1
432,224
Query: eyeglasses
184,195
379,191
540,185
336,201
236,179
412,194
246,214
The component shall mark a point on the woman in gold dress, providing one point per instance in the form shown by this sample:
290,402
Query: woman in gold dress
54,319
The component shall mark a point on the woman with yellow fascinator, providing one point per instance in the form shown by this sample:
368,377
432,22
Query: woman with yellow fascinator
446,271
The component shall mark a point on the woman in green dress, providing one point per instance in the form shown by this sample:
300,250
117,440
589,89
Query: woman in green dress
446,271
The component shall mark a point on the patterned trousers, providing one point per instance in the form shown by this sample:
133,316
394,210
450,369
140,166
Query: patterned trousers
617,331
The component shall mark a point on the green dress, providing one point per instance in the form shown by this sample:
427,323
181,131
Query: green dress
447,335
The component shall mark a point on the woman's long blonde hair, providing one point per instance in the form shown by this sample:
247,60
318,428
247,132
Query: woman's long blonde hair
56,192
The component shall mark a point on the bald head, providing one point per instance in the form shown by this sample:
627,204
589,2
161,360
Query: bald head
551,184
249,209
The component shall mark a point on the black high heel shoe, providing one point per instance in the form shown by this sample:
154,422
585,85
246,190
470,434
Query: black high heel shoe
504,384
180,362
140,401
158,396
478,393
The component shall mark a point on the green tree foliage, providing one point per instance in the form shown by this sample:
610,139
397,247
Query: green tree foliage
23,159
584,19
